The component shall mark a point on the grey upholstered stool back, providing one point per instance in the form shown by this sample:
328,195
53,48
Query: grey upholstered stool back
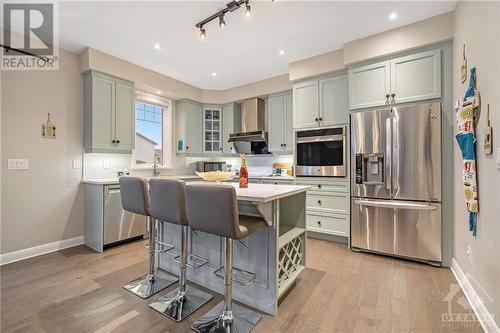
135,195
213,209
168,200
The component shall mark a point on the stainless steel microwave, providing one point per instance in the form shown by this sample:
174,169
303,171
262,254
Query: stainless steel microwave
203,166
321,152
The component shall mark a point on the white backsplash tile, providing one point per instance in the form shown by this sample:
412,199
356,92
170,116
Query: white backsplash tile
94,165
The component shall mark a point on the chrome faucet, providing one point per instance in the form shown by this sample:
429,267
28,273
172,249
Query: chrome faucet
156,161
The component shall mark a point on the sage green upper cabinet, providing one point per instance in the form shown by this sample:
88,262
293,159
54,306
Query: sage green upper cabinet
212,129
333,96
280,122
125,112
416,77
231,123
189,127
305,104
405,79
109,114
370,85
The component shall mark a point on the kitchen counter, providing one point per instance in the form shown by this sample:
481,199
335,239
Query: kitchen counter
276,254
114,181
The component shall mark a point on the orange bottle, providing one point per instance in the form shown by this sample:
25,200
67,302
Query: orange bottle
243,172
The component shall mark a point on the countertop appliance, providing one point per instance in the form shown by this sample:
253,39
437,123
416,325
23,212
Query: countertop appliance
203,166
321,152
396,181
106,222
253,139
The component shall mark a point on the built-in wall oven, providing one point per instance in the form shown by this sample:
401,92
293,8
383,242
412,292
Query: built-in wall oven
321,152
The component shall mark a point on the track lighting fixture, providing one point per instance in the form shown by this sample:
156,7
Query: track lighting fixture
222,23
230,7
203,34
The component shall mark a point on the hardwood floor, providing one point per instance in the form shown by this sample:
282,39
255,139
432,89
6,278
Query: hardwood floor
77,290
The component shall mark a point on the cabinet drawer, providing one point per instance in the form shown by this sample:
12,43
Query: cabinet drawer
332,202
341,186
332,224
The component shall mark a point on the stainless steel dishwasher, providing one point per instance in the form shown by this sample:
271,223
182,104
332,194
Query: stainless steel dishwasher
106,222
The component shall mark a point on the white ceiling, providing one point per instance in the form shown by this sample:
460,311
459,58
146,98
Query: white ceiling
245,51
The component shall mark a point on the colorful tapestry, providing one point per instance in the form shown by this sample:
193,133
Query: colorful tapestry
465,111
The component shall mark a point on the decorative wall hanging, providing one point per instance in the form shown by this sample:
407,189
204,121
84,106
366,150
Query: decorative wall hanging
488,134
466,113
48,129
463,71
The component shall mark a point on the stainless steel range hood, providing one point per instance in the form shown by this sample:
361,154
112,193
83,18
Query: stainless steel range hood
253,139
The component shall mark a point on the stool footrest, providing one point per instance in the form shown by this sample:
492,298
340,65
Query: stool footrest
193,261
240,276
164,247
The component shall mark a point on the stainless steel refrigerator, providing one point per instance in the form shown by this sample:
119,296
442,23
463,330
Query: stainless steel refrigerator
396,181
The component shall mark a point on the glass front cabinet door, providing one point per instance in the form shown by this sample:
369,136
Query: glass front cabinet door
212,130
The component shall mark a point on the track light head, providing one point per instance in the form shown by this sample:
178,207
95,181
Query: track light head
203,34
222,23
247,14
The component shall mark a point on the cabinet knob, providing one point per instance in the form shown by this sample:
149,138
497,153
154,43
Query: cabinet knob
315,119
393,95
320,118
117,141
387,96
319,222
187,147
281,145
319,202
319,185
113,141
284,145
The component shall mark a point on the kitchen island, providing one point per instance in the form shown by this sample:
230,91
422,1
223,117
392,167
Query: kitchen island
274,256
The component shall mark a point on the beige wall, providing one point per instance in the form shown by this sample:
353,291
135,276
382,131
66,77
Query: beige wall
477,24
45,203
321,64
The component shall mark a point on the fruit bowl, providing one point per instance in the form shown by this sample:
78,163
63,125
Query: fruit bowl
216,176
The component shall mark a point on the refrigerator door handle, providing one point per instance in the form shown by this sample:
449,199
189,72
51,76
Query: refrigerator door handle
388,154
395,204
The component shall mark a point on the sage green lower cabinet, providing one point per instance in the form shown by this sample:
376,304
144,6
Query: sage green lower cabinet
328,206
109,114
280,123
189,127
231,123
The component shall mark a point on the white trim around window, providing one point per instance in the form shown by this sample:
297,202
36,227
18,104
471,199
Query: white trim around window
167,135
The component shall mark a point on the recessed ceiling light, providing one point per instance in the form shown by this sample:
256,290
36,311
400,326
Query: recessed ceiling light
393,16
282,52
158,92
157,46
214,74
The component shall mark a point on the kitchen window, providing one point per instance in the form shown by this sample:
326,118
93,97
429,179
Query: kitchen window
153,132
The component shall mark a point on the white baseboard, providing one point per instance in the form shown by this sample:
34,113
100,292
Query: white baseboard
34,251
484,316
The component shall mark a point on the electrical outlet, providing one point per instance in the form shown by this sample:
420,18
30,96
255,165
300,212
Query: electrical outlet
106,164
17,164
469,254
77,164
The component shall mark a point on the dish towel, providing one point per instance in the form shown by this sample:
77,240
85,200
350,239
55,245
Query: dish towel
465,111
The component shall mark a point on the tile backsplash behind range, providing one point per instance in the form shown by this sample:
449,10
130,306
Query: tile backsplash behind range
104,165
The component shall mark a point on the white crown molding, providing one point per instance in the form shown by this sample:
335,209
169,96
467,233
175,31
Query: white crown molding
484,316
34,251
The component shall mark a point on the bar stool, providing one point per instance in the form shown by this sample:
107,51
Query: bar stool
168,204
135,198
214,209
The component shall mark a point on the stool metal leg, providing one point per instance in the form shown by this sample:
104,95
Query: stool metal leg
227,317
152,283
182,301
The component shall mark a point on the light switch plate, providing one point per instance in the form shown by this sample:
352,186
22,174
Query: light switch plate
77,164
106,164
17,164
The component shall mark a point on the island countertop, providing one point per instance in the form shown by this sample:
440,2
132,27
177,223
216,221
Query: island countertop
262,193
